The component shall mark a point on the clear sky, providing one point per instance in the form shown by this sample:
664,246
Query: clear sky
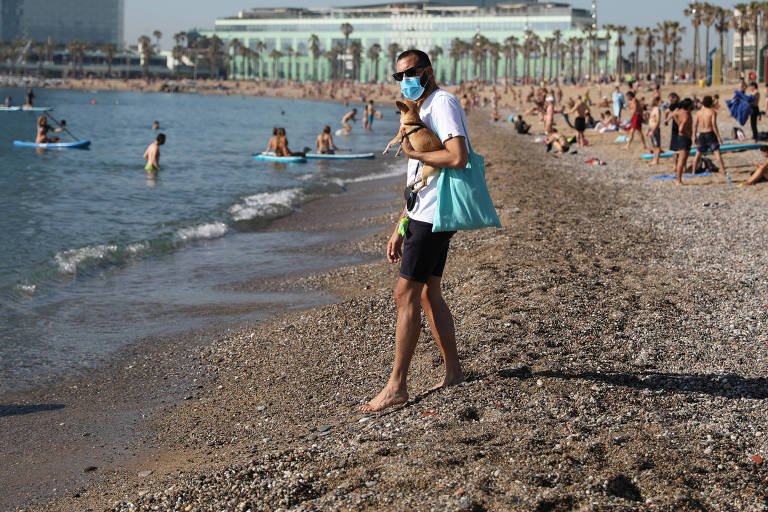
172,16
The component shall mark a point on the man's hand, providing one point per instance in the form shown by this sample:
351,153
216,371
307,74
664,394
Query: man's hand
395,248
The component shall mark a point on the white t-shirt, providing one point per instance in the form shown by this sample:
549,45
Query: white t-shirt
442,113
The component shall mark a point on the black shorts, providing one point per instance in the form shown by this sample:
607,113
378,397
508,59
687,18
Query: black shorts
656,138
580,124
424,252
684,143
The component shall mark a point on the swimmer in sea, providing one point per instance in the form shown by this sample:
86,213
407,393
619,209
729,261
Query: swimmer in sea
349,116
368,120
152,154
324,142
156,125
42,131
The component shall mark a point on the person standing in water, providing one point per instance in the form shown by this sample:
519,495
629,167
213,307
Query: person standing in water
368,120
349,116
30,98
152,154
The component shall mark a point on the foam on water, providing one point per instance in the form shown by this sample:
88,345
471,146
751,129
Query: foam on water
69,261
202,232
267,204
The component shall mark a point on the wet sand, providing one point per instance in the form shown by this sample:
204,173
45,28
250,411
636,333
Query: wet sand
612,334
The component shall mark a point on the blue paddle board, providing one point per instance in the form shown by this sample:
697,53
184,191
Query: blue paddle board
80,144
271,157
26,109
723,148
340,156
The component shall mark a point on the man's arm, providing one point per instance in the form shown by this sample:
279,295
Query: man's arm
395,243
454,156
695,125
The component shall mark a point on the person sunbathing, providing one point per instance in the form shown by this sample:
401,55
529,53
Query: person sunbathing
761,173
557,141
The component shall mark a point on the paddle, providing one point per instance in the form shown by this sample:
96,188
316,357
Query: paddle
62,126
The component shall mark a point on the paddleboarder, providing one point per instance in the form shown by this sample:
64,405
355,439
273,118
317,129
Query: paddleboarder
324,142
42,131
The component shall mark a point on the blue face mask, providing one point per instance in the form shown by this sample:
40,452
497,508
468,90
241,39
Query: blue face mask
411,87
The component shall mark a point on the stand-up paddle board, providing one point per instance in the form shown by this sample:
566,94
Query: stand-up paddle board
340,156
26,109
80,144
723,148
271,157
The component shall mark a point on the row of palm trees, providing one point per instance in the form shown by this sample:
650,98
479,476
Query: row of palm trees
746,18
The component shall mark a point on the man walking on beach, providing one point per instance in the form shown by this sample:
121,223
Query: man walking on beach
682,115
421,253
706,133
635,120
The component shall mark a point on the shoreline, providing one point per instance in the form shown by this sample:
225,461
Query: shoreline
87,423
603,366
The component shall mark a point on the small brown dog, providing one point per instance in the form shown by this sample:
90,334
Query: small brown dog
419,135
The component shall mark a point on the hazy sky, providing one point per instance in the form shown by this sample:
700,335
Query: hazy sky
172,16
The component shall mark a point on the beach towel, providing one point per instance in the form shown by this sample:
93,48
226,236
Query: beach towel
674,176
740,106
622,138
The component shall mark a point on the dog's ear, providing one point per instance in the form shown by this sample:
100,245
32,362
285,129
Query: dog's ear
402,106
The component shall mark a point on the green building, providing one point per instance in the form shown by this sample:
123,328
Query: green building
467,39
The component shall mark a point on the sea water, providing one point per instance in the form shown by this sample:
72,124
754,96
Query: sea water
96,253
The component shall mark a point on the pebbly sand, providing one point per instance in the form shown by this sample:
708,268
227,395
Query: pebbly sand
612,334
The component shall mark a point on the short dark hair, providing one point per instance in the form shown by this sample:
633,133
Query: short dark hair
630,94
422,58
160,138
753,84
764,148
687,104
326,129
707,101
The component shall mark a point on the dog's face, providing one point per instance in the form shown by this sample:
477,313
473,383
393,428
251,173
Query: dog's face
409,111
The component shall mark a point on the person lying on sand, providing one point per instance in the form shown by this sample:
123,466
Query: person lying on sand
761,171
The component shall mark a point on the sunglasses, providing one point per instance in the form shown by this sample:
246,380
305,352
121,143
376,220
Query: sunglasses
410,72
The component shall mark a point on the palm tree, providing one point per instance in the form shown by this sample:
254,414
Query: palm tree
620,31
608,29
590,38
675,30
741,24
548,47
663,29
572,41
356,50
722,26
157,35
234,47
393,50
580,49
638,33
109,54
346,29
434,54
756,11
258,48
454,52
275,55
510,54
288,50
708,19
145,47
650,43
315,52
695,11
373,54
557,34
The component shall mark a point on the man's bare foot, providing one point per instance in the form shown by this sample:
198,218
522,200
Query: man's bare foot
679,183
626,148
451,380
384,400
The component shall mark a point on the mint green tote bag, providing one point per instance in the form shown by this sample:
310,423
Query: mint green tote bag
463,200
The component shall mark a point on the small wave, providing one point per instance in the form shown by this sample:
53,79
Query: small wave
202,232
26,288
70,260
267,204
390,173
137,247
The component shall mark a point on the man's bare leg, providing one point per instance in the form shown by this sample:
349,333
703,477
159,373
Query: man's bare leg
681,161
407,297
719,156
441,323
